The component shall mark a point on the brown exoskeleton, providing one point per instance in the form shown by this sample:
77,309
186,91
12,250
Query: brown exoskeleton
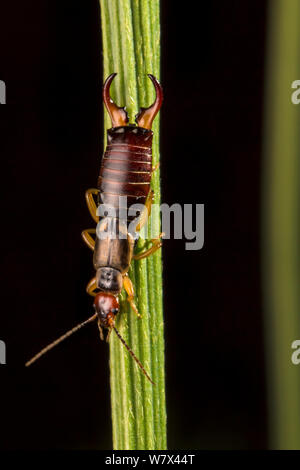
126,171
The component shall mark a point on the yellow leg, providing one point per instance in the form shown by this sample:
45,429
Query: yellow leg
108,335
156,244
88,239
146,212
127,284
91,287
100,331
89,197
155,167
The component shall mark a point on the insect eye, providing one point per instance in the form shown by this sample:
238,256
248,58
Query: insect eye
114,310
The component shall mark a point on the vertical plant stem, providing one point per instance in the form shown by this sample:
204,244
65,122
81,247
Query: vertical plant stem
131,47
280,223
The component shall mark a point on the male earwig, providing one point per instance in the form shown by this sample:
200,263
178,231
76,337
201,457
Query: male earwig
126,170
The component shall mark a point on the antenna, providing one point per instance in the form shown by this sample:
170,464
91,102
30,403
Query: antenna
133,355
76,328
60,339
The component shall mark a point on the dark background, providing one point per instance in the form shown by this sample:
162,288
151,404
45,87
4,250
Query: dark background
51,143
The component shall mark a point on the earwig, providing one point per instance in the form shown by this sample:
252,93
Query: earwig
126,170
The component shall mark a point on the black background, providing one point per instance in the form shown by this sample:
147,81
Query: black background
51,143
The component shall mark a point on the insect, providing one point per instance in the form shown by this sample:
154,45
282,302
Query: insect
124,179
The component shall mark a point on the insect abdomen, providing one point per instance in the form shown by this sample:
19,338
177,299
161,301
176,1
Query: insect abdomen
126,167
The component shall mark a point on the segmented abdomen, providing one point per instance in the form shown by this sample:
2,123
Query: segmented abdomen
126,167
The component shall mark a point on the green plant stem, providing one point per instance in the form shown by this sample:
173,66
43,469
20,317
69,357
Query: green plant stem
131,47
280,223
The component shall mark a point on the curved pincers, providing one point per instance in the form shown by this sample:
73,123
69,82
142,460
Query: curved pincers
118,115
146,115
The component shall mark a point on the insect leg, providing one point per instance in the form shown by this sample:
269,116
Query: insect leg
146,212
128,286
108,335
90,200
91,287
88,239
100,331
155,167
156,244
